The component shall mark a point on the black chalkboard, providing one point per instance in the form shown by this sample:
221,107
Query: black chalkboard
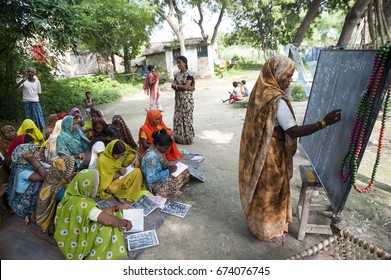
146,204
176,209
142,240
340,79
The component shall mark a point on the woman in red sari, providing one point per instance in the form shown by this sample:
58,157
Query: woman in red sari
151,88
154,122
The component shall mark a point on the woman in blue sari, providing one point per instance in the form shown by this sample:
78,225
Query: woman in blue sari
27,175
71,141
157,171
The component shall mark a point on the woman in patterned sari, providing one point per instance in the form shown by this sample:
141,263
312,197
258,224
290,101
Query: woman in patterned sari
124,132
183,85
27,175
7,134
82,230
60,174
51,142
157,171
154,122
267,147
71,141
151,88
112,165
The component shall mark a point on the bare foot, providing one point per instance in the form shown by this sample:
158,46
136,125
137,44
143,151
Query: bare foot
277,239
27,220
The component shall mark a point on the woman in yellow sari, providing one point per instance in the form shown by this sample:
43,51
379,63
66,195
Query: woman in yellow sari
29,127
112,165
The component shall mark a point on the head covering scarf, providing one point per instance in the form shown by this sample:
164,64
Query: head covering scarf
36,134
51,143
258,130
16,142
52,119
76,110
173,153
107,165
77,236
124,132
4,142
69,143
59,175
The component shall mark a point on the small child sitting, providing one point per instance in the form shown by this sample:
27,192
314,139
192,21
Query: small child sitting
245,89
235,95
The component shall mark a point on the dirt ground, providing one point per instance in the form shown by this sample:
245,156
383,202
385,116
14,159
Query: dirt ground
214,228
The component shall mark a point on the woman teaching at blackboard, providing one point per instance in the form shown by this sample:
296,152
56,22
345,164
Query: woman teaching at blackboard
268,144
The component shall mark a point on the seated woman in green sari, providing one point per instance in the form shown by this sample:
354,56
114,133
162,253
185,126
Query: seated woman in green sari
83,231
112,165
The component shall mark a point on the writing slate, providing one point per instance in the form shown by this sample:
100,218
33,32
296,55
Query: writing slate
146,204
142,240
340,79
176,209
196,174
104,204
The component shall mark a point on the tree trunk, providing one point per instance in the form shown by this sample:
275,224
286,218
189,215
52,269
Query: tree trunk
351,20
200,22
216,28
176,27
387,12
112,56
305,24
126,60
371,26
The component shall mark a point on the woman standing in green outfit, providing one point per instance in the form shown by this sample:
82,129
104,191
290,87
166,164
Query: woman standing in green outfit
83,231
184,86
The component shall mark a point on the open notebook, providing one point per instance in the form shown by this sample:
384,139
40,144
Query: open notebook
180,167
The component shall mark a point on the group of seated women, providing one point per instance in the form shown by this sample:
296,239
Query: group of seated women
52,178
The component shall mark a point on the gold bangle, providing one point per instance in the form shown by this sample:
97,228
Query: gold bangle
323,123
318,125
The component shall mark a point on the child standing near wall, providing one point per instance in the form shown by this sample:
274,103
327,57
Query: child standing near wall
88,103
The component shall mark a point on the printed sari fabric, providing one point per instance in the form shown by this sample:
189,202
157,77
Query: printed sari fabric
265,165
59,175
130,186
69,143
124,132
4,143
51,142
22,204
77,236
183,111
157,176
151,88
148,128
